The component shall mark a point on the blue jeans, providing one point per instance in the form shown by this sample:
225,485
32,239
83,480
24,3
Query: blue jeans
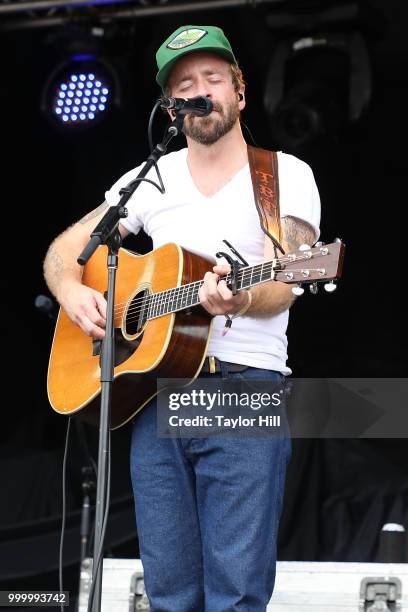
207,513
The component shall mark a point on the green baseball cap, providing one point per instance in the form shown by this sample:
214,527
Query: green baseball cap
190,38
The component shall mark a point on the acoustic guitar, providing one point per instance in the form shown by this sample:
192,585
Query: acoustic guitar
161,331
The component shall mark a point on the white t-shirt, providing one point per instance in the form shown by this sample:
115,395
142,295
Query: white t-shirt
185,216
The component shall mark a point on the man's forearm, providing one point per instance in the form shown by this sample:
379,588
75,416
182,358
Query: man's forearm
60,266
270,299
274,297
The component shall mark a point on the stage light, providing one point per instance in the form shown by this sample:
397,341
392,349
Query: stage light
85,104
81,90
315,86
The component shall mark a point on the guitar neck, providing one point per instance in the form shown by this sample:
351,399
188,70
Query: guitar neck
308,265
186,296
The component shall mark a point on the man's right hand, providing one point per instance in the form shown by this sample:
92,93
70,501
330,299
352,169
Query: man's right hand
86,307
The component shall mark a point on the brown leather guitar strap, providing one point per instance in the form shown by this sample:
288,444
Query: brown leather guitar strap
265,181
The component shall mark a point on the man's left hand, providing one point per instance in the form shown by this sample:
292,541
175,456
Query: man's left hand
216,297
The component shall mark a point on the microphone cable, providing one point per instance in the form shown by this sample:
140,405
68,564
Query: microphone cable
151,146
160,187
250,133
64,509
99,553
98,558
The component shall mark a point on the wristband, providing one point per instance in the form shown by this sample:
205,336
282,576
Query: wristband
228,318
244,308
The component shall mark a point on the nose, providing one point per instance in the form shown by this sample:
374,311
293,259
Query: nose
201,88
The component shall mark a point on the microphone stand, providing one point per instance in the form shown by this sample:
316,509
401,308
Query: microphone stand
107,232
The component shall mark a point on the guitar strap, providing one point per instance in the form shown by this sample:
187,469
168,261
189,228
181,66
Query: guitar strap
265,181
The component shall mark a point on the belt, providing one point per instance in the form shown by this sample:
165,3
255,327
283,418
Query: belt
212,365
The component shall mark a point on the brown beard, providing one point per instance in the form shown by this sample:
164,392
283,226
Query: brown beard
207,130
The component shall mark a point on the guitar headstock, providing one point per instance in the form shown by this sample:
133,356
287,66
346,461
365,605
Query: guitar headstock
311,265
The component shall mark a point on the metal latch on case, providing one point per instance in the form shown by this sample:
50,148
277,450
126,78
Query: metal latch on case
380,594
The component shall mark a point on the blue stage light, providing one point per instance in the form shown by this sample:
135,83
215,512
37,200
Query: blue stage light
86,89
75,86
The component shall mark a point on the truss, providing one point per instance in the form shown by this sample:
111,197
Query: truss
28,14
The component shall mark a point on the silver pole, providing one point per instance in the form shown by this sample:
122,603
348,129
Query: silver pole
148,11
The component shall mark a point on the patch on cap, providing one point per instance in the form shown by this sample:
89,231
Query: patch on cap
187,38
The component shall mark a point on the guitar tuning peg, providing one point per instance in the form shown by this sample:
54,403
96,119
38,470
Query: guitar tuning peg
298,290
319,244
338,240
313,288
304,247
330,287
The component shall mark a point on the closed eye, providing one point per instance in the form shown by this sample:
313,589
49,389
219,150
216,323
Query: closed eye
184,85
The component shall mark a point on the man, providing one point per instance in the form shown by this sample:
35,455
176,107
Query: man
207,509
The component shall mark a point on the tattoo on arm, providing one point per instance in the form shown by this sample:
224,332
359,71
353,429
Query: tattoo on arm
93,213
57,265
296,232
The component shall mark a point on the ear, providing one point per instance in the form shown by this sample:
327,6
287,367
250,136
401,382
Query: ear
241,96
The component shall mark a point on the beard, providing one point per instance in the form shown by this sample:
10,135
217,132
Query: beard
207,130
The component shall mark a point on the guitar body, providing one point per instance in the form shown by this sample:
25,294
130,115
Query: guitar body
170,346
161,331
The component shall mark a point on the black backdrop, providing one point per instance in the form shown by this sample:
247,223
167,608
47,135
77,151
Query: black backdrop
339,492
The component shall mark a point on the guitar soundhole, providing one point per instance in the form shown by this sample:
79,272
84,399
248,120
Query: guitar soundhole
136,315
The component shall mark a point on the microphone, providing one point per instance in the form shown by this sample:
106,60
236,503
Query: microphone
200,106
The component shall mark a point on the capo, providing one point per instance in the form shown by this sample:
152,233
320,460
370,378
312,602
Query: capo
235,268
235,265
231,248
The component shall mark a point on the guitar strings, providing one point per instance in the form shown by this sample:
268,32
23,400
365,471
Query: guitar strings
135,313
245,273
190,287
155,301
188,291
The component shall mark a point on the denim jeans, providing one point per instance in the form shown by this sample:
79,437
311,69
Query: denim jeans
207,513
